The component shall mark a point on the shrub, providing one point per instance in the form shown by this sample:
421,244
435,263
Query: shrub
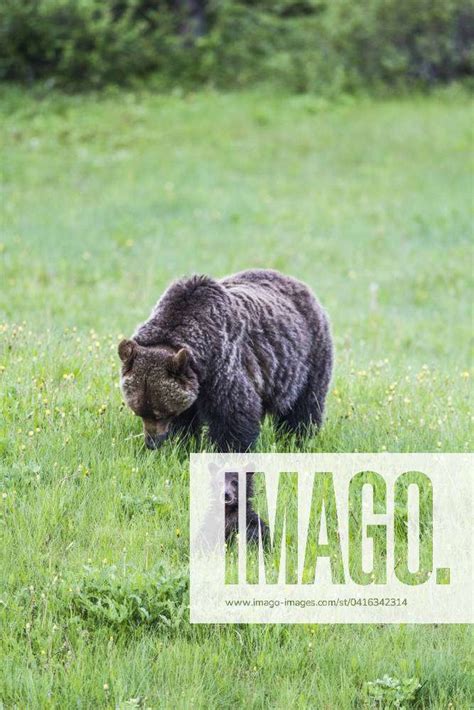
389,41
86,43
304,45
344,45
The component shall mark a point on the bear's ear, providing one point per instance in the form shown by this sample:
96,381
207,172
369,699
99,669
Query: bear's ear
127,350
177,363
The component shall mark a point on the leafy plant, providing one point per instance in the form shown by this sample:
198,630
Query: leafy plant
387,693
130,597
132,505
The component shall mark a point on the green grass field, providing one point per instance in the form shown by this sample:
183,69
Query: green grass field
104,202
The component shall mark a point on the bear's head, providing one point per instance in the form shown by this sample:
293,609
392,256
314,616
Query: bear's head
158,384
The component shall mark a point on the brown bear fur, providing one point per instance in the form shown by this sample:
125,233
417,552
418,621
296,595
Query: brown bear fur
226,352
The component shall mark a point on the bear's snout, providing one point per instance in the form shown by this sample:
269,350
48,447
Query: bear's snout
155,432
155,441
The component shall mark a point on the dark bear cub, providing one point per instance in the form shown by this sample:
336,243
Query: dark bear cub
225,353
256,528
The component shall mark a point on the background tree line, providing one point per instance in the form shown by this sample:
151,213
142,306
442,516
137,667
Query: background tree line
326,46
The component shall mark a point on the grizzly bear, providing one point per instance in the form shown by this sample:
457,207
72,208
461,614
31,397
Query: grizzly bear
226,352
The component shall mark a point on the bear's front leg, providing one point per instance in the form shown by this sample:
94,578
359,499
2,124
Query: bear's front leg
256,527
237,432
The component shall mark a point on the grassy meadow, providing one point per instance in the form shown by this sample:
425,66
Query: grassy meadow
105,200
